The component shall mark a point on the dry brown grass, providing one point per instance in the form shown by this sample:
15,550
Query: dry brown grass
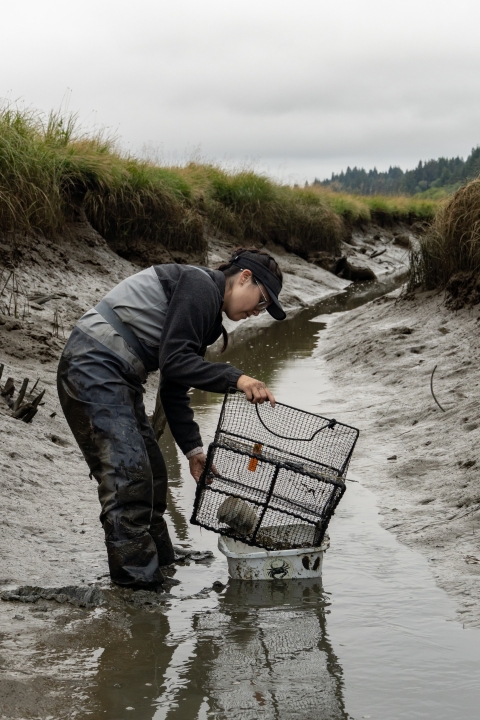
452,244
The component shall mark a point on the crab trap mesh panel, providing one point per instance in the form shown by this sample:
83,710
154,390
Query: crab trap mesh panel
273,476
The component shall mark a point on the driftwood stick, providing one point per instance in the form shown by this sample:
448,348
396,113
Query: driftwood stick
431,389
20,395
28,417
9,387
26,413
21,411
33,388
36,401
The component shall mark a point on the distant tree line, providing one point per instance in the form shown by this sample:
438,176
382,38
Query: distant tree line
432,174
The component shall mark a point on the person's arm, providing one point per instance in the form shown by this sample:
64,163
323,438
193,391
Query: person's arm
179,414
193,310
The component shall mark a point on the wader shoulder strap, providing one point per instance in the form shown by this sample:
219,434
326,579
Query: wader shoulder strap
108,314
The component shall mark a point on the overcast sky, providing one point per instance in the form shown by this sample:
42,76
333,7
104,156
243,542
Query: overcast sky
298,89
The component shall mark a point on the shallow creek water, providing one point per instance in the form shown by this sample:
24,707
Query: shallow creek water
374,639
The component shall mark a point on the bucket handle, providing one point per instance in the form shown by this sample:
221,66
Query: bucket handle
330,424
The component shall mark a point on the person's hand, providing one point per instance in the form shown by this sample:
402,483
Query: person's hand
255,390
197,463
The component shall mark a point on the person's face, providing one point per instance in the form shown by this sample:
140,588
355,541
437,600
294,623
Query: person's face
244,297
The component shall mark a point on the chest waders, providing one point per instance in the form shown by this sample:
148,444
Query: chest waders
102,398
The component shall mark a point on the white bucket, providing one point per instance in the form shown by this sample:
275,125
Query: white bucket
246,562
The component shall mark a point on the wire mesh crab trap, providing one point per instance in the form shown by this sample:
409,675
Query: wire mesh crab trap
273,476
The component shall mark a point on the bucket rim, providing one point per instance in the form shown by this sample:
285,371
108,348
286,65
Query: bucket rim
222,546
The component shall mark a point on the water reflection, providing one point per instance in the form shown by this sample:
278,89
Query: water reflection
175,484
261,651
270,653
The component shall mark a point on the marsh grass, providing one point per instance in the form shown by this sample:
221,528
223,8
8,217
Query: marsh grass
383,209
49,168
452,243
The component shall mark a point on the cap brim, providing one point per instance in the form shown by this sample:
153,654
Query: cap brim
275,309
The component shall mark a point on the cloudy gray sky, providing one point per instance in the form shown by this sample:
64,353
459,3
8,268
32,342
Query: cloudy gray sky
298,89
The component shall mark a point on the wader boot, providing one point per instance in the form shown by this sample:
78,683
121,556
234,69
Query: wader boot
102,398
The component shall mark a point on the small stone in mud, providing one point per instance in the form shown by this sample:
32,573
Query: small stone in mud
19,617
392,457
218,586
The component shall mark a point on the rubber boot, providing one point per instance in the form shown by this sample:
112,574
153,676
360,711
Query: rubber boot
134,562
159,532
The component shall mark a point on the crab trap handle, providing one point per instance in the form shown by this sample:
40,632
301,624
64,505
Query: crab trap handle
330,424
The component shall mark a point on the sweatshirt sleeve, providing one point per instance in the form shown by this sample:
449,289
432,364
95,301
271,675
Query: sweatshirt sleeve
179,414
192,312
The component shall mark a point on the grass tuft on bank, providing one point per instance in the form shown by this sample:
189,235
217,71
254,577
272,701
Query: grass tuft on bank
452,243
49,169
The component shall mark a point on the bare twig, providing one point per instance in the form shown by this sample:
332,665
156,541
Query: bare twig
6,283
377,253
431,389
33,388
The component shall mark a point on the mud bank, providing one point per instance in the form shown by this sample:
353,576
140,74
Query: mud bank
43,475
49,530
422,463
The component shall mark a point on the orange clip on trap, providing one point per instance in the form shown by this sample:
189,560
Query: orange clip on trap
252,465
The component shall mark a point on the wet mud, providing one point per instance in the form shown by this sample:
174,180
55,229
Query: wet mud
374,637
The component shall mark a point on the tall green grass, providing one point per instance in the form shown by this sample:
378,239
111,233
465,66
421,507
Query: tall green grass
48,168
452,243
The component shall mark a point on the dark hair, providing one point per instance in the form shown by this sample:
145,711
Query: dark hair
230,270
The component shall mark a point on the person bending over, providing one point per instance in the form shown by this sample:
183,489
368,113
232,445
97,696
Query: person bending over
163,318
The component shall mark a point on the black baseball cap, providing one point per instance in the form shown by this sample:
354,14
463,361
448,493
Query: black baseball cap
249,261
